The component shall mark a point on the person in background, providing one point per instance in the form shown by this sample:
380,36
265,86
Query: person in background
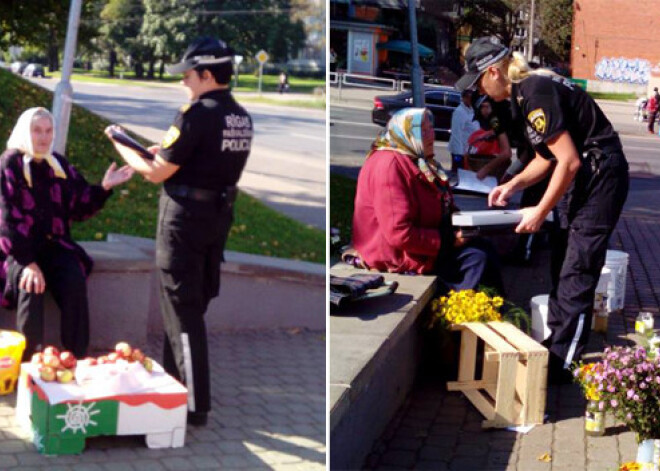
462,126
41,193
652,109
403,208
574,142
491,140
283,85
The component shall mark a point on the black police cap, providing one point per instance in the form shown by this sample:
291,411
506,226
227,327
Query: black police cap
204,51
481,54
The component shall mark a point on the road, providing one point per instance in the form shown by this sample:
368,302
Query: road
351,134
286,168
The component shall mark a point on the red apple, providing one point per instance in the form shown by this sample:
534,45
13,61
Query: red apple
51,360
123,349
37,358
148,364
50,350
113,357
102,360
68,360
47,373
137,355
64,376
89,361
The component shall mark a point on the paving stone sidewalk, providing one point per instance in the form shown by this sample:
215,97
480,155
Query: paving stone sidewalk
268,414
441,430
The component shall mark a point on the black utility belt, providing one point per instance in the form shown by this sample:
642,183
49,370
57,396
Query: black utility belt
225,195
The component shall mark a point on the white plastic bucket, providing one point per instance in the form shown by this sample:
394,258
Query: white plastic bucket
539,306
617,262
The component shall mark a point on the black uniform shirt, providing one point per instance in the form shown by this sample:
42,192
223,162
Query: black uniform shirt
210,140
549,105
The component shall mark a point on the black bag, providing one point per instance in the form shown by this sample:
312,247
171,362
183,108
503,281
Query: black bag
354,288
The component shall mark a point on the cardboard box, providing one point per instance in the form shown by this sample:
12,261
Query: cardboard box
62,416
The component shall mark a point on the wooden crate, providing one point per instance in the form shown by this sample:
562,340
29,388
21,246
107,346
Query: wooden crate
513,383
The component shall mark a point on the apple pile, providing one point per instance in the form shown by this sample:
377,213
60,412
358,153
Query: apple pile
55,365
60,366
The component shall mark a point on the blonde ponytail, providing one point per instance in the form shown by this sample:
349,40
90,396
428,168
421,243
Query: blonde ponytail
518,68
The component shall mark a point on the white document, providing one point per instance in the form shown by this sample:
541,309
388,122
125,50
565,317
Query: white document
468,181
489,217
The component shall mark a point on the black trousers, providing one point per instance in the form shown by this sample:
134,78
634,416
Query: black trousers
651,121
66,281
593,209
189,246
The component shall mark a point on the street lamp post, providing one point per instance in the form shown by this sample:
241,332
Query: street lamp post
416,72
64,92
530,48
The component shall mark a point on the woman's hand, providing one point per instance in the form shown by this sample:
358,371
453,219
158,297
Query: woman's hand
531,220
459,240
155,149
483,173
32,279
499,196
114,176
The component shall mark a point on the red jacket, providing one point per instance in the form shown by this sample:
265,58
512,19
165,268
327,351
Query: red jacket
396,222
652,105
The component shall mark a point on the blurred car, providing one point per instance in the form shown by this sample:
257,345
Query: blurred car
18,67
34,70
441,101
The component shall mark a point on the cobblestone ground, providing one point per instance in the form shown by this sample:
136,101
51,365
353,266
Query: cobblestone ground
268,413
441,430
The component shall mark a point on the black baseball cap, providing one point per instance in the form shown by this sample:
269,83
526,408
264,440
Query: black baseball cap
481,54
203,51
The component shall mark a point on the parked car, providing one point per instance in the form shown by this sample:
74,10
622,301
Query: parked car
34,70
441,101
18,67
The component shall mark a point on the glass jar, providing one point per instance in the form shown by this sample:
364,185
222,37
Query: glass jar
594,420
644,324
599,323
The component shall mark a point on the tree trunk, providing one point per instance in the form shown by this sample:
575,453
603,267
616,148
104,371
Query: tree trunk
53,58
139,70
152,65
112,61
161,69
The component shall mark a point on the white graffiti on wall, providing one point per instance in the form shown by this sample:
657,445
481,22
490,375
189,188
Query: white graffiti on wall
623,70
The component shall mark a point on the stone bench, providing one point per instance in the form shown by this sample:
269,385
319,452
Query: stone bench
256,293
375,347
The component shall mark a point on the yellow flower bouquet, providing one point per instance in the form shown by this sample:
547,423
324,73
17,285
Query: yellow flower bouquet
466,306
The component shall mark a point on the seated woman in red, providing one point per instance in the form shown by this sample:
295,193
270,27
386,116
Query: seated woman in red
403,206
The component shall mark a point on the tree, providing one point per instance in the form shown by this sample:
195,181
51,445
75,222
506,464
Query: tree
499,18
556,27
122,22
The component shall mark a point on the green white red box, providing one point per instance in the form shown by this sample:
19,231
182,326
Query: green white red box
61,416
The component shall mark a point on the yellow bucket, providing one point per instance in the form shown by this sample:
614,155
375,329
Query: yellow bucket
12,345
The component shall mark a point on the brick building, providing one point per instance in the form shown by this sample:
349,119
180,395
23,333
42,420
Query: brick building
616,42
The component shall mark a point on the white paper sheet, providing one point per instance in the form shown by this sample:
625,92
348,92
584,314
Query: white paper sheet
468,181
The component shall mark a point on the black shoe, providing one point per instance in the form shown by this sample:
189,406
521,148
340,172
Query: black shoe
198,419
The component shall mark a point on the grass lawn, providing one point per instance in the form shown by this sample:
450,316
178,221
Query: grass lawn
133,208
246,82
613,96
342,196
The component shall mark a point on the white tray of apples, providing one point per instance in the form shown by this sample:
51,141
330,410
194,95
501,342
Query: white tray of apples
133,366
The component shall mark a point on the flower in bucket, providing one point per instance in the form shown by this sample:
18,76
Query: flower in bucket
585,375
466,306
628,383
630,466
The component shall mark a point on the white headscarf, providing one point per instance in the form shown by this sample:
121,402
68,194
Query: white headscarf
21,139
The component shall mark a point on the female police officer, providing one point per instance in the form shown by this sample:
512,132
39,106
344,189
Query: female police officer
574,140
200,162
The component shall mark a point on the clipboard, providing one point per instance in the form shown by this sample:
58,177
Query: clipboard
496,221
128,141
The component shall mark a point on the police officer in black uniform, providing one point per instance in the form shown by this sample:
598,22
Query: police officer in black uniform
576,143
200,161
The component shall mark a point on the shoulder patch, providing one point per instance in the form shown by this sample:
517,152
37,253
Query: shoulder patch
184,108
537,119
170,138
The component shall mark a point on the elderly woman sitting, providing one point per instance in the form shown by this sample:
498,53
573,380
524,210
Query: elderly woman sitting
403,207
40,194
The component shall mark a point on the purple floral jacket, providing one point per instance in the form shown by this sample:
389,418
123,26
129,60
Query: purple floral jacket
73,199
